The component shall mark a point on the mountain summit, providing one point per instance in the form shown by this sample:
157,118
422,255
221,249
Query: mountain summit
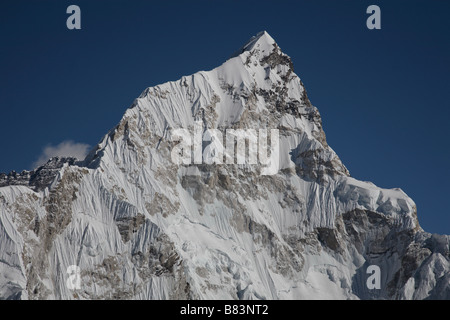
220,185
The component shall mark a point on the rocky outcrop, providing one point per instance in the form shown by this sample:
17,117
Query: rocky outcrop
39,178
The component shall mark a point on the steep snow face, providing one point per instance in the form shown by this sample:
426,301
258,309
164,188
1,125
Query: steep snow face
140,226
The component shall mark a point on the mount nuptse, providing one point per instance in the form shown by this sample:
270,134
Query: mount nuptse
139,226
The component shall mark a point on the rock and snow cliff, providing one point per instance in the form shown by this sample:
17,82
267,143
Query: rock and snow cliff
140,226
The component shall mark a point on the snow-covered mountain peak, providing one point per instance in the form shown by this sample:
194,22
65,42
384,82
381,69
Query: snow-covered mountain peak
138,224
257,88
261,41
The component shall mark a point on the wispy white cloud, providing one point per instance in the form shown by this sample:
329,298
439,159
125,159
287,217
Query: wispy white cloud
66,148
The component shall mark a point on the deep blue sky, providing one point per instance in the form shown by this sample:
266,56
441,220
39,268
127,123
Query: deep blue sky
383,94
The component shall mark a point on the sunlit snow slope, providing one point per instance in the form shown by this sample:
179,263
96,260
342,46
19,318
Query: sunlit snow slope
140,226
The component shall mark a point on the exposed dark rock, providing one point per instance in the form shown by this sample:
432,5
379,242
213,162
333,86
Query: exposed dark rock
37,179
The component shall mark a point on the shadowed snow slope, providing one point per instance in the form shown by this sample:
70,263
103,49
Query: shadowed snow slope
140,226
